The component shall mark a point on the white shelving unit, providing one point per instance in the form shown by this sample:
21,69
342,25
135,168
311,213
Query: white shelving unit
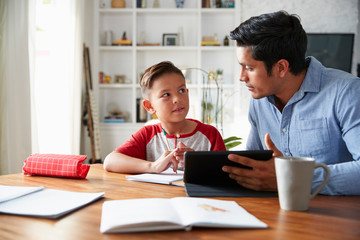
149,24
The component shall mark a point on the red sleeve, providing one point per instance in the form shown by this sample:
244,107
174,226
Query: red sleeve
136,145
214,136
217,144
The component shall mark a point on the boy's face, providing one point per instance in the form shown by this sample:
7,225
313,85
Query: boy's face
254,74
168,98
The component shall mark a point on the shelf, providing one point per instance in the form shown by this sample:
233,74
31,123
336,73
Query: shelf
166,48
115,10
166,10
148,25
115,48
217,48
115,85
218,10
120,126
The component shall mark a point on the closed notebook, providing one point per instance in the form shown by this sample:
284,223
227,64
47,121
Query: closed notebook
42,202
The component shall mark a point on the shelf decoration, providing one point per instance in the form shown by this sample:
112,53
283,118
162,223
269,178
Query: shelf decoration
118,3
104,79
218,3
214,114
210,41
170,39
179,3
141,114
123,42
115,115
119,79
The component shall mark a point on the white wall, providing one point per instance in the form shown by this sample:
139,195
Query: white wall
316,16
325,16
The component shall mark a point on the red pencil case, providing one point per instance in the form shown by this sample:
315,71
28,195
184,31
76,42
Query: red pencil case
56,165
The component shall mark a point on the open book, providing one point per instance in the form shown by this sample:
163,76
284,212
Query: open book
155,214
168,177
40,202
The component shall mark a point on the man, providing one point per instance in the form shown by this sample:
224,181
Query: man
298,107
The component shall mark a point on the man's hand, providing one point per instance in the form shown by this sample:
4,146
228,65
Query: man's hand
262,176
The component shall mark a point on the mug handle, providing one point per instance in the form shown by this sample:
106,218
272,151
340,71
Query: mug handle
327,170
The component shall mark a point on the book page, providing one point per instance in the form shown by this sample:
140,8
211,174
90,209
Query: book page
11,192
166,177
204,212
48,203
136,215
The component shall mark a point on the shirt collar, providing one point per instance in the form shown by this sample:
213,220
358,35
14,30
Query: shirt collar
311,82
312,78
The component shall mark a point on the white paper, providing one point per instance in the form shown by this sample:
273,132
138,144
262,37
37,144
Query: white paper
10,192
137,215
48,203
214,213
154,214
166,177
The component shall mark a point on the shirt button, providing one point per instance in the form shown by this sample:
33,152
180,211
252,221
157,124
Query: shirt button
284,129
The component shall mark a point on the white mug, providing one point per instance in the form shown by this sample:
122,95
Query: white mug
294,179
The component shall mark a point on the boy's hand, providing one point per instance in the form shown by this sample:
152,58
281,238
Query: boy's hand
179,153
164,162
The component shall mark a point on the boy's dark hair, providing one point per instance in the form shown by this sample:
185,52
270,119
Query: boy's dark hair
154,72
272,37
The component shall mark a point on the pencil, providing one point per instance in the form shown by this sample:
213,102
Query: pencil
167,142
168,145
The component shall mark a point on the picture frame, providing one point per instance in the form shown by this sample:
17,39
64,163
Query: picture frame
170,39
119,79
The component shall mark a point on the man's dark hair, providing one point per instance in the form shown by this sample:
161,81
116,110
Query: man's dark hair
272,37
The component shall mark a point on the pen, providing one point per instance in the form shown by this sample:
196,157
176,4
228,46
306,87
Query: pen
167,142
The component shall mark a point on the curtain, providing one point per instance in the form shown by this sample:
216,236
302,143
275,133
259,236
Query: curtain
40,79
58,71
15,127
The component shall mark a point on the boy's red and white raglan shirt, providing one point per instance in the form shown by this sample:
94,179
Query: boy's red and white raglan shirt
149,142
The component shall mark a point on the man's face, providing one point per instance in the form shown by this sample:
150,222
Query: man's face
254,74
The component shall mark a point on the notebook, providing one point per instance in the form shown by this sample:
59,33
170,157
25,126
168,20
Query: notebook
204,177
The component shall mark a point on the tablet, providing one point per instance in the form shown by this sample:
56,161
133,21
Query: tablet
206,166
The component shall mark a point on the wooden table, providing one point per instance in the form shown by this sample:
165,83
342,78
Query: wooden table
327,218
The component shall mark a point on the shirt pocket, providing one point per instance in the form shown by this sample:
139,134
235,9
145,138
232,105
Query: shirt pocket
312,137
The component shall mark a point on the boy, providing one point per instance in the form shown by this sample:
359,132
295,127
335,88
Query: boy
155,148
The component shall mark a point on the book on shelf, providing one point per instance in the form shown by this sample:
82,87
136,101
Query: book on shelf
41,202
161,214
101,77
141,113
210,43
122,42
114,119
